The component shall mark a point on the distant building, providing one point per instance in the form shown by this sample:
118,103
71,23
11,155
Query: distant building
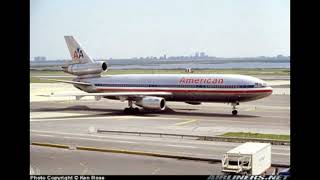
189,70
280,56
202,54
40,58
197,55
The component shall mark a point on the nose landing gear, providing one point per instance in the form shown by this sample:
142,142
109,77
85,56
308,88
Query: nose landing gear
234,108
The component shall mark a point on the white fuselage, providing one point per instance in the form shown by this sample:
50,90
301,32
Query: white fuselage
184,87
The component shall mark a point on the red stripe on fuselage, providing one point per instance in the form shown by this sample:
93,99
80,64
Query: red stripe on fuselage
185,91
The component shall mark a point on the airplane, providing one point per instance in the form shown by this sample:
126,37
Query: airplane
152,91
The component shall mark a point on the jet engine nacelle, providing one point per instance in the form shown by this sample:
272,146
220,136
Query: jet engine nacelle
150,102
86,68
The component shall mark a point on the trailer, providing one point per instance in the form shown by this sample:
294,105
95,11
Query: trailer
248,158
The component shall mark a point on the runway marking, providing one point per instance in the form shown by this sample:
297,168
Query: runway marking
146,118
281,117
282,154
281,148
251,109
52,114
71,118
173,145
68,118
31,171
130,142
85,170
65,133
34,172
74,134
155,171
185,122
45,135
91,139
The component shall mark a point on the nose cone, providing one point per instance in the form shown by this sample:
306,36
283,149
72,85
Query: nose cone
270,90
267,90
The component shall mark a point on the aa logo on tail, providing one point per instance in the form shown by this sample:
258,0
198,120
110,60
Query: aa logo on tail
78,54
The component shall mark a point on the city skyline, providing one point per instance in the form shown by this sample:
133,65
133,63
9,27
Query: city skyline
196,56
126,29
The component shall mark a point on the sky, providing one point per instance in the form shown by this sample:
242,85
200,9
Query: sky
139,28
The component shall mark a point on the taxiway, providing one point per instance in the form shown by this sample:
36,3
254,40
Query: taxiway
66,121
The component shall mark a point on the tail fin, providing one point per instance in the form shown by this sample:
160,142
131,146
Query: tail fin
77,53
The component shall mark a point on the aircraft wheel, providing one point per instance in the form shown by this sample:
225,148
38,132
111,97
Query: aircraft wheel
234,112
126,110
136,110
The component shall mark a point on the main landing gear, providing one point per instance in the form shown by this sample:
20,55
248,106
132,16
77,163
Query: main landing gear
131,109
234,108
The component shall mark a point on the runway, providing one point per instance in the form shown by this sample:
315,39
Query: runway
61,162
69,122
163,145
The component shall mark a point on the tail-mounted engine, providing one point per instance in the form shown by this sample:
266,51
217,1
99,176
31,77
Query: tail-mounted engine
95,68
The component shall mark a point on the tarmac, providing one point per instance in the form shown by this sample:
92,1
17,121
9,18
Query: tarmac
54,161
70,122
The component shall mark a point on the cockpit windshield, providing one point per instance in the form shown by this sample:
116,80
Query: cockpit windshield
260,85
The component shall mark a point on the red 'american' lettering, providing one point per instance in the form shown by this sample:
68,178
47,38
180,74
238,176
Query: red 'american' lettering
201,81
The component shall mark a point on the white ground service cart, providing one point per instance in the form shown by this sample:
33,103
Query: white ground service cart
248,158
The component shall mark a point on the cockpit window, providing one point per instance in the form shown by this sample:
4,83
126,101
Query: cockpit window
259,85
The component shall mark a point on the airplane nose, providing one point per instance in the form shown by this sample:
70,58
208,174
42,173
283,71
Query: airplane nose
268,87
269,90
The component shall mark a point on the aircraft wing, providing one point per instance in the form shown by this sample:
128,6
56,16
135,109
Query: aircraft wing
61,76
111,94
123,95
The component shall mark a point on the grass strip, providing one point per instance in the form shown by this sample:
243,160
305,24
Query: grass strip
257,135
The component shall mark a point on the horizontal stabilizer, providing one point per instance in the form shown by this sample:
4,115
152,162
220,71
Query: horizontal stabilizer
65,81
